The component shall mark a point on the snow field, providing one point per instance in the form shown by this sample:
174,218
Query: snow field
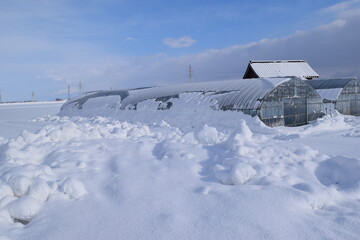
181,174
27,175
14,117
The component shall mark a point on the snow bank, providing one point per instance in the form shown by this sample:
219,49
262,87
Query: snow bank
182,173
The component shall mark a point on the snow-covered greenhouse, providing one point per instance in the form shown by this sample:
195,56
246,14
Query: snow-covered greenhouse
341,94
276,101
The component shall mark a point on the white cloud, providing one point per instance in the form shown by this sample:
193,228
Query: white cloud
341,6
332,50
129,39
179,43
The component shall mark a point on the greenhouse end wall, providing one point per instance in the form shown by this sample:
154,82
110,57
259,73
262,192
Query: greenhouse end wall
293,103
348,102
343,93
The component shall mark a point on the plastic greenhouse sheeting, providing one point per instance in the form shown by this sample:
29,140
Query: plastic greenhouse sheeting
330,83
331,94
246,92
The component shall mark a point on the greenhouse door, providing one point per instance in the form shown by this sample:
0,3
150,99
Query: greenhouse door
295,111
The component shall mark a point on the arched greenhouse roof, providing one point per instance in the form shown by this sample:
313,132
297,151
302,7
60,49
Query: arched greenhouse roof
79,102
246,93
330,83
330,89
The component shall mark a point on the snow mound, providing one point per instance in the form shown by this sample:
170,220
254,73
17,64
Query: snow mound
242,173
208,135
73,188
40,190
19,184
24,209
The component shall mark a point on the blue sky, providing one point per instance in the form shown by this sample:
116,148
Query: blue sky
46,45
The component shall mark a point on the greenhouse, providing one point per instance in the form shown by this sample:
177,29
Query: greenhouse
79,102
341,94
276,101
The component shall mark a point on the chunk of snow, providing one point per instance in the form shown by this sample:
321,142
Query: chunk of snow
138,131
242,173
39,190
73,188
19,184
24,209
242,133
208,135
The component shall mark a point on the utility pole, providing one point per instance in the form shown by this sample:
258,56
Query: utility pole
80,87
0,97
68,92
33,96
190,73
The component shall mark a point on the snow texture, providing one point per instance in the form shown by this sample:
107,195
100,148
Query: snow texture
182,173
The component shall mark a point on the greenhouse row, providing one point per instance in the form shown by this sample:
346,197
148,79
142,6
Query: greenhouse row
286,101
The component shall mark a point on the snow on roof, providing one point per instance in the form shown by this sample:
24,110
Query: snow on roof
243,93
80,101
299,68
330,94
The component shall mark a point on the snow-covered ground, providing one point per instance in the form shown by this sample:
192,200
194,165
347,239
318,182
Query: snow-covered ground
14,117
185,173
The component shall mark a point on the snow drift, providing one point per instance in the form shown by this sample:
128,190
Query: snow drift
183,173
